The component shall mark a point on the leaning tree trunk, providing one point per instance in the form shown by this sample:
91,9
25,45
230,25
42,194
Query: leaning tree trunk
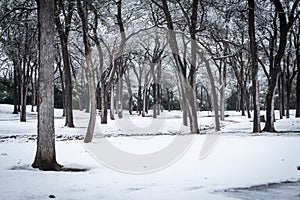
45,158
213,91
87,53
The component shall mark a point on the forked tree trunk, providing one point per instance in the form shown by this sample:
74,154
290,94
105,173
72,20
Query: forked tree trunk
45,158
63,31
284,28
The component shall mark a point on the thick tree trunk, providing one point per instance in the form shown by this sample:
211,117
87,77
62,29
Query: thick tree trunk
270,118
254,68
45,158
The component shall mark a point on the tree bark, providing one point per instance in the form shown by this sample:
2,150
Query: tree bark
16,93
112,102
213,92
254,68
82,11
130,93
103,103
297,43
187,84
45,158
64,35
33,86
284,27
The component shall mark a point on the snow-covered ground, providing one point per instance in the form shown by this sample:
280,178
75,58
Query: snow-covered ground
237,158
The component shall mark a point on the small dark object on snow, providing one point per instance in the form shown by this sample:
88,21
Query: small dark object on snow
51,196
298,168
262,118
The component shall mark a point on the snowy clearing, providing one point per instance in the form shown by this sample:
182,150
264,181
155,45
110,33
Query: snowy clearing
238,160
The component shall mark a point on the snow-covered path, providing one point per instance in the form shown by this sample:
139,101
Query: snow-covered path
238,160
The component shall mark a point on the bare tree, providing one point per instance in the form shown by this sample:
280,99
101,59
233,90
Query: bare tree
82,11
65,8
254,66
45,158
286,20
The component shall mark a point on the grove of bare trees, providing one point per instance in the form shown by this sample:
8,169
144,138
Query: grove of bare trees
152,55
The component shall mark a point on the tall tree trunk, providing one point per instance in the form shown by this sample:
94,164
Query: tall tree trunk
254,68
82,11
64,35
45,158
119,57
284,28
298,93
297,43
68,84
